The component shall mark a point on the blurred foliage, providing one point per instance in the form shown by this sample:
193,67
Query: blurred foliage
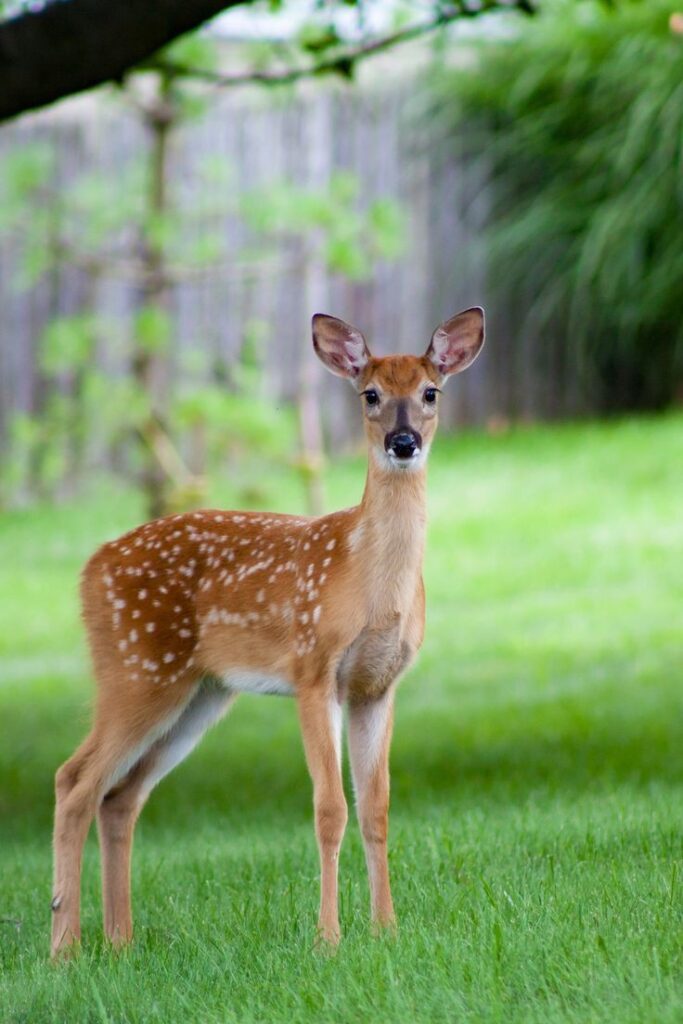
94,401
219,413
234,411
577,121
353,237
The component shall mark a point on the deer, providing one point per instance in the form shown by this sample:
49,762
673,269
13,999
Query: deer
184,613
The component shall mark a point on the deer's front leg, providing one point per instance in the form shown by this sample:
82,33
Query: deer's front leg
321,719
370,727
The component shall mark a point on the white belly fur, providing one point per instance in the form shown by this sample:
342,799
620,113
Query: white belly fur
249,681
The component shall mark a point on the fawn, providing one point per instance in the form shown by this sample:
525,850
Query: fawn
188,611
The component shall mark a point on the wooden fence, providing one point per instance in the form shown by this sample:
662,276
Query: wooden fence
374,131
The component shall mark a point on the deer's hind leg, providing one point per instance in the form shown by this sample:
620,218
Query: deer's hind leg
121,806
76,789
124,731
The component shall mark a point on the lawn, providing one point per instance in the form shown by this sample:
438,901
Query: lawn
537,801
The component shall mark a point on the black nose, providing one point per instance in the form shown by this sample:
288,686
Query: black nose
403,445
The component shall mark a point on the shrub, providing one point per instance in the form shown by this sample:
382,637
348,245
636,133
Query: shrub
576,119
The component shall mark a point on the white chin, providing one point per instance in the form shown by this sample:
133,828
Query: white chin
387,460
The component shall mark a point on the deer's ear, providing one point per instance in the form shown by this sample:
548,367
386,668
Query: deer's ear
457,342
339,346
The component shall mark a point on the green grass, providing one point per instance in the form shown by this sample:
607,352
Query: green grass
537,771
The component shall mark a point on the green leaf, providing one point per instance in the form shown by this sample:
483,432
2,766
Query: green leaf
152,328
345,256
67,344
316,37
194,50
387,227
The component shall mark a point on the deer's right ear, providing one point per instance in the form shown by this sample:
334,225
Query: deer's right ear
457,342
339,346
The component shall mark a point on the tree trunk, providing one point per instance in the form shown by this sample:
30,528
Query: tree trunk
65,46
316,291
149,362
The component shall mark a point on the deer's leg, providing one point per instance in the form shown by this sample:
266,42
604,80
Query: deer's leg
119,811
116,820
370,727
78,786
321,719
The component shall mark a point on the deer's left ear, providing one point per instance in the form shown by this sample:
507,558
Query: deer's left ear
457,342
339,346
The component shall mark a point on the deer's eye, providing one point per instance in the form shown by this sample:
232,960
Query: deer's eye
430,396
371,397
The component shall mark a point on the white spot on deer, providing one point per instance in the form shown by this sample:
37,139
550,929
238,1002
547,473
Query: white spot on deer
316,613
142,594
123,644
169,657
136,613
119,603
330,545
261,596
133,636
150,627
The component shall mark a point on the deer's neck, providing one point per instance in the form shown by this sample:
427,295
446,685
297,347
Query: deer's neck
391,535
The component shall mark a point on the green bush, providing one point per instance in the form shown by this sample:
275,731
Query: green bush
575,118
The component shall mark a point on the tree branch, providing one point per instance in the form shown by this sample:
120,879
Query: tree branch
341,63
67,46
